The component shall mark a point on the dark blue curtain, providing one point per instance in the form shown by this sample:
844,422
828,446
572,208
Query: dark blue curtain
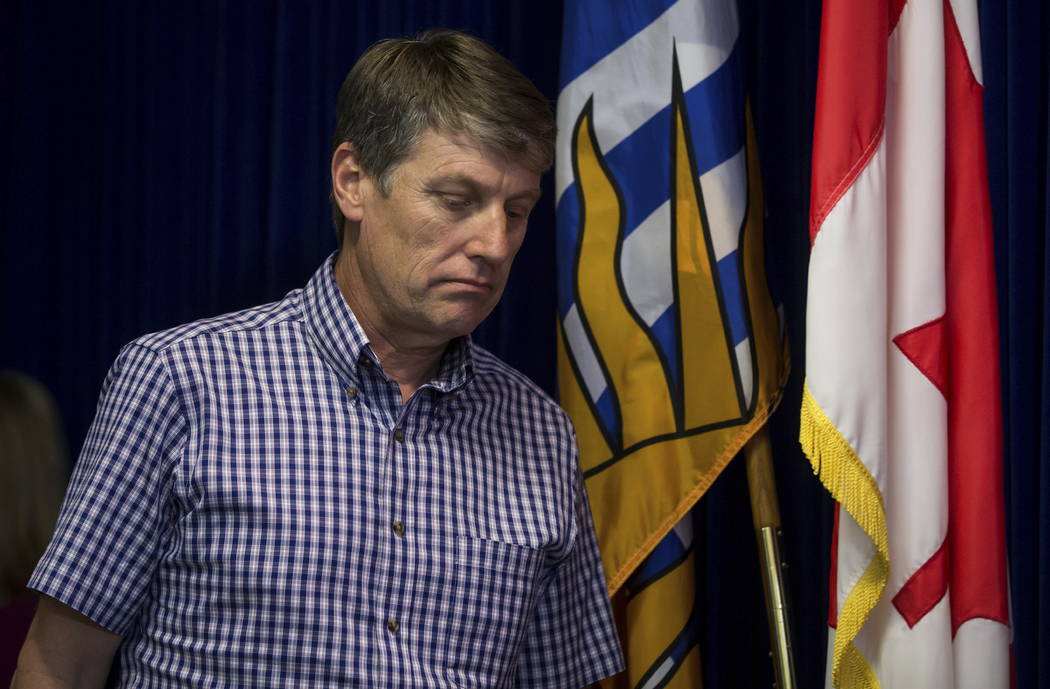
782,41
166,161
1016,48
162,162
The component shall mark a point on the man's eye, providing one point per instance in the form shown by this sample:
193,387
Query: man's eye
516,213
457,202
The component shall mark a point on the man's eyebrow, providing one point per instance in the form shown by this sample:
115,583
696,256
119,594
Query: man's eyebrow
456,178
472,184
533,194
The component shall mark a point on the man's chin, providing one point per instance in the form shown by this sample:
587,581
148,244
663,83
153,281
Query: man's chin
458,323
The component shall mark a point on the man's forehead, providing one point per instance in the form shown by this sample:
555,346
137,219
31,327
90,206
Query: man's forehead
463,158
449,148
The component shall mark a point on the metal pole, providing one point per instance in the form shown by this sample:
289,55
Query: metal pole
765,512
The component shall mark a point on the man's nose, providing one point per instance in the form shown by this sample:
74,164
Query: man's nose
489,240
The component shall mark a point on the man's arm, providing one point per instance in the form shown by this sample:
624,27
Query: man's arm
64,650
109,536
571,640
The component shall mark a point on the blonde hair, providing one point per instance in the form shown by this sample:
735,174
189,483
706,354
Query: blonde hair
34,469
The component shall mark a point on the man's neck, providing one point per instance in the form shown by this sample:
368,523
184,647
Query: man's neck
409,361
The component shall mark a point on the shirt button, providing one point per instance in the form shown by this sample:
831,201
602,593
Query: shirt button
393,625
399,435
351,393
399,528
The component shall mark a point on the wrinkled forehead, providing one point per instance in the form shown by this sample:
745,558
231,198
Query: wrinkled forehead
517,152
439,151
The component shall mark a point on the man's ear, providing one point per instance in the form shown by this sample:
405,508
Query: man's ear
347,179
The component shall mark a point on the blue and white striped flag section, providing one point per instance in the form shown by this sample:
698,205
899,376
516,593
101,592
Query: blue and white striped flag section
670,353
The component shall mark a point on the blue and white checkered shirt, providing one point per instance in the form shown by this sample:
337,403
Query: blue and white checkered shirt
255,507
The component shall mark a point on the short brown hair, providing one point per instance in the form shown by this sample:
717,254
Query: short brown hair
443,80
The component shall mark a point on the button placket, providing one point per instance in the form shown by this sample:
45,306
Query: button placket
398,526
398,552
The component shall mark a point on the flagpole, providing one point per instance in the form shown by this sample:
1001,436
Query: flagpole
765,513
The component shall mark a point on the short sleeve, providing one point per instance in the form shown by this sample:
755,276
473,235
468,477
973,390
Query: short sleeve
571,640
110,531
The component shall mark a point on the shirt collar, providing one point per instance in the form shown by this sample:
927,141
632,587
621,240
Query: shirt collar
342,343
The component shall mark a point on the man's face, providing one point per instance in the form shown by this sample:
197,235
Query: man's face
435,254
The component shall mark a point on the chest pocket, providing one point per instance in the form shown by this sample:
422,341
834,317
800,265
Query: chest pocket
489,604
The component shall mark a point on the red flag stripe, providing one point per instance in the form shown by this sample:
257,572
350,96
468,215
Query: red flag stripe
924,346
925,588
976,526
851,97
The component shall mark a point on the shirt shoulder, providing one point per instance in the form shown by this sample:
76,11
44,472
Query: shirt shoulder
495,377
262,317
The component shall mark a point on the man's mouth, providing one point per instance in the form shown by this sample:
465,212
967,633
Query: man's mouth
471,284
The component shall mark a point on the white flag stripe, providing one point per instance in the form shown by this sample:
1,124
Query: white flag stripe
903,657
581,351
966,17
854,553
742,351
725,199
916,487
646,266
851,250
684,530
915,168
658,676
982,654
633,82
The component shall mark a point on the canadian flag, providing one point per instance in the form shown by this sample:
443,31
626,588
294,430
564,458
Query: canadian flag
900,415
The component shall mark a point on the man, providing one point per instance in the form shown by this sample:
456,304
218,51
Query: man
339,488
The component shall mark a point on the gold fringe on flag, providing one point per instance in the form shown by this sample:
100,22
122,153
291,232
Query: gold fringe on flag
851,484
